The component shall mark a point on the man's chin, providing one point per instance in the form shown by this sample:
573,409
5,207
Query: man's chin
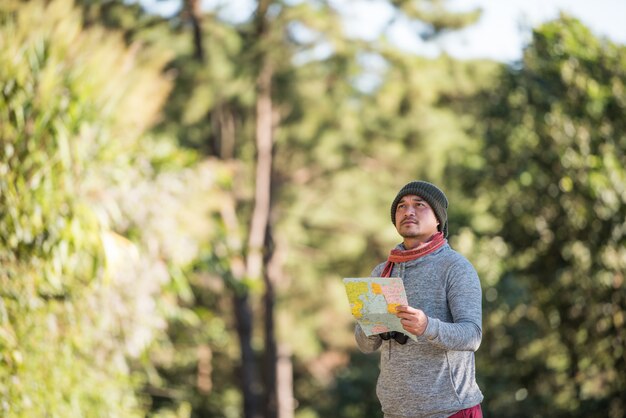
409,234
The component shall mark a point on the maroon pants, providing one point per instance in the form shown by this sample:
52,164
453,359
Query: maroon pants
473,412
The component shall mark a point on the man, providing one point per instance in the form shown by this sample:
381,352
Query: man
433,377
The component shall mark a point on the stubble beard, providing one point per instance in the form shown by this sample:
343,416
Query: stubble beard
409,231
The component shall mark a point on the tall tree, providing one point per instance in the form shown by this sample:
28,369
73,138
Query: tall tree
553,186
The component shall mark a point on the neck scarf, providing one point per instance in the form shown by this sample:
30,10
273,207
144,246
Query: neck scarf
400,256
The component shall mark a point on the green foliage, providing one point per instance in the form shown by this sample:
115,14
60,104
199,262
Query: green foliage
554,184
435,16
357,386
87,209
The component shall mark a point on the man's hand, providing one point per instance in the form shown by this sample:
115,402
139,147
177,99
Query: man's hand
413,320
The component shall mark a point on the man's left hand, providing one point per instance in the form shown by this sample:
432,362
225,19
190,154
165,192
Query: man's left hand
413,320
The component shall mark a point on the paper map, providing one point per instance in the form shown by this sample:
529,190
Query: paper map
373,301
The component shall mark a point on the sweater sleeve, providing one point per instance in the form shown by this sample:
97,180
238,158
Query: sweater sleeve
465,302
366,344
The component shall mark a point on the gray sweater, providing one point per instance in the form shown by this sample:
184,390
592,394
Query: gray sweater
433,377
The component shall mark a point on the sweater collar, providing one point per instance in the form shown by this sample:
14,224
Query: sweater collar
400,255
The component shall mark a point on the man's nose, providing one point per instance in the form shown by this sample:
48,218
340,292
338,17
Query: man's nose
410,211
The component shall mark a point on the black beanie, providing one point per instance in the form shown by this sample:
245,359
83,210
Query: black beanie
431,194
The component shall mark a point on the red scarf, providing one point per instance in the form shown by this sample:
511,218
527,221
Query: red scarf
400,256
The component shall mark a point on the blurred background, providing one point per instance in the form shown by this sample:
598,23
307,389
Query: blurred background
183,184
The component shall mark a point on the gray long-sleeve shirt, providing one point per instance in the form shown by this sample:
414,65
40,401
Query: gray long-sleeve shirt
435,376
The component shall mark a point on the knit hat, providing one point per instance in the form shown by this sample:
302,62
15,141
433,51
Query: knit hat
431,194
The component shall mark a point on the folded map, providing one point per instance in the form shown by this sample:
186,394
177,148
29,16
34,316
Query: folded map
373,301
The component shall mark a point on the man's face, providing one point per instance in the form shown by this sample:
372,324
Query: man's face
415,218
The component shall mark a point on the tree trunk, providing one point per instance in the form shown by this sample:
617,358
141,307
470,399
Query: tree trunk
260,216
258,253
260,242
243,313
285,382
192,8
278,366
223,125
253,268
249,377
271,351
241,304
